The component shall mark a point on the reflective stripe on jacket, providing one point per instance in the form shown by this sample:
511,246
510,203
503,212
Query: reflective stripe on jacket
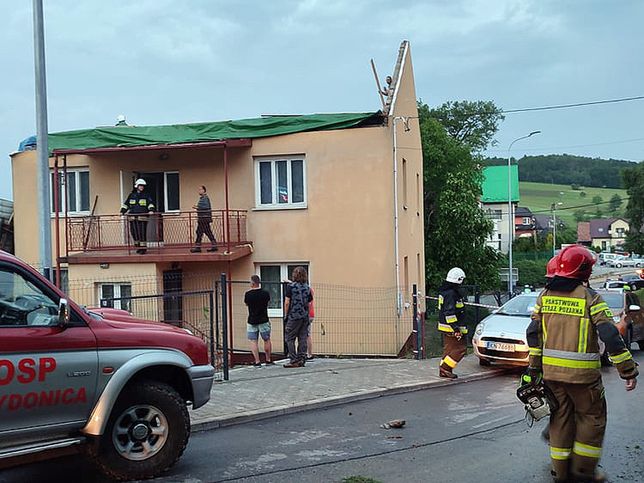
450,310
563,336
137,202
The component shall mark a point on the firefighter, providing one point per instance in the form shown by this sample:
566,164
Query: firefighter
140,204
451,322
564,351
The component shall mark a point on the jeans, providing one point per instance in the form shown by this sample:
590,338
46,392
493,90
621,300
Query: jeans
296,329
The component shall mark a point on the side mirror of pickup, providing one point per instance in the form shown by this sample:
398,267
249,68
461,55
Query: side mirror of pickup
63,313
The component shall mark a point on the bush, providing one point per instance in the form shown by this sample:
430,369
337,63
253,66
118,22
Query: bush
575,187
531,272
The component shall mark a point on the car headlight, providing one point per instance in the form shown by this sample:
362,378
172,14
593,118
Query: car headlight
479,328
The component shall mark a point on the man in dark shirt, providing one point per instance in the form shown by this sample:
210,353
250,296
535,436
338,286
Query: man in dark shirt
257,300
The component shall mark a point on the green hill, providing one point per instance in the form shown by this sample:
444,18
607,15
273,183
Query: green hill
569,169
540,196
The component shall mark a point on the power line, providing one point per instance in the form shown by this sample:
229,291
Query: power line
549,210
577,104
571,146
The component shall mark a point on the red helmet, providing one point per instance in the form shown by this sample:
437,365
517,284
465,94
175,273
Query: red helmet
575,261
551,266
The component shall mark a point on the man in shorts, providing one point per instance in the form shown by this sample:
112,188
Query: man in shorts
257,300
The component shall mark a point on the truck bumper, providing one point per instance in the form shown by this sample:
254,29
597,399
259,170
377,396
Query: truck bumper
201,378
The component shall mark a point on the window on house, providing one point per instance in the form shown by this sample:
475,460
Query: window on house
280,183
526,221
494,214
73,191
418,191
171,192
272,276
404,181
115,296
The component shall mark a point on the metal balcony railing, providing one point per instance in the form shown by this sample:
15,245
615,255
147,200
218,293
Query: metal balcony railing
171,230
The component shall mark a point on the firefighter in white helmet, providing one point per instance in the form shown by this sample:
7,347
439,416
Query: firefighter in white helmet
138,204
451,322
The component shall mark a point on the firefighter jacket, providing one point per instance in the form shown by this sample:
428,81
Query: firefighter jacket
451,308
563,337
137,202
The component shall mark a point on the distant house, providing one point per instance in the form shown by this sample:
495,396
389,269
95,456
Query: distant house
605,233
524,223
542,224
6,225
494,202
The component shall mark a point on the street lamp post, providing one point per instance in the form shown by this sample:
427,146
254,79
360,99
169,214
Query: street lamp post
553,207
510,211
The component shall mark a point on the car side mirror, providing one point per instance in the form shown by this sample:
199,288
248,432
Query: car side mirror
634,308
63,313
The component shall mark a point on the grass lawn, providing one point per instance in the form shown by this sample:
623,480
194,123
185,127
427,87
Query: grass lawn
540,196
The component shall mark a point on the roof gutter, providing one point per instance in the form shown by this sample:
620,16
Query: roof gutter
229,143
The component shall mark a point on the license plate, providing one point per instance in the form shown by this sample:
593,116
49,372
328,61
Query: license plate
500,346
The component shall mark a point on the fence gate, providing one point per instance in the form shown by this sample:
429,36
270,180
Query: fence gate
198,314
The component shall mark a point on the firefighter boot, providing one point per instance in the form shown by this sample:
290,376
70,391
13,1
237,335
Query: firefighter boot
446,372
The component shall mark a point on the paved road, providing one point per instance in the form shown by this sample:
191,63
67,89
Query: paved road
469,432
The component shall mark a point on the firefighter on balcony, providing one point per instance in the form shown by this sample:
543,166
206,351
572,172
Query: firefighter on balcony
138,204
564,351
451,322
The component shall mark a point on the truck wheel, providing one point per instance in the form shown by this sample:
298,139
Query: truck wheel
146,433
640,343
484,363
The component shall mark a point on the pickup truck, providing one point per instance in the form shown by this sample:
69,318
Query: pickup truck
74,380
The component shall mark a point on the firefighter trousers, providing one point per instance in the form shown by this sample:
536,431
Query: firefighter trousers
577,429
453,351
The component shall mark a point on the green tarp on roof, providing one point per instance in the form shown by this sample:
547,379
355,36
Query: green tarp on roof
495,184
106,137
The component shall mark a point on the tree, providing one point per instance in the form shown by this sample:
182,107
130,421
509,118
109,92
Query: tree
634,182
580,215
614,203
597,200
456,229
582,194
473,123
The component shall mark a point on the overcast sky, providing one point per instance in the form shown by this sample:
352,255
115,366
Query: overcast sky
169,61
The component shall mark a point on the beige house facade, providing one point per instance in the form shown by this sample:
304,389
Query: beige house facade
345,202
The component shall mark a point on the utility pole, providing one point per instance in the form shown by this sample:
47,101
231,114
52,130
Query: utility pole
42,174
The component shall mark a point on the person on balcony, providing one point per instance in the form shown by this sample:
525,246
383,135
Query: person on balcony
139,204
204,219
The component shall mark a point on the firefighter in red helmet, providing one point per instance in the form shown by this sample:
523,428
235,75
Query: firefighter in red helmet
564,351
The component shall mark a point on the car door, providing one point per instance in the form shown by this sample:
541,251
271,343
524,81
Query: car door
47,371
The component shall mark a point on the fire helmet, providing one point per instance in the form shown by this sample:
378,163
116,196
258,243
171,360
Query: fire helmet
575,261
139,181
455,275
551,266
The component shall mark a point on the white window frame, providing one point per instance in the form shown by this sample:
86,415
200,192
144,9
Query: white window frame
117,292
284,276
63,192
165,191
289,182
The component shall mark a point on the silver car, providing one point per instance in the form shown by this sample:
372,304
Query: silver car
501,336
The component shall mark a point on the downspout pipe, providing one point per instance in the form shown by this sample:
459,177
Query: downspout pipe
56,186
396,230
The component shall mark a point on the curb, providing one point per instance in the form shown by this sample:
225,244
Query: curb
251,416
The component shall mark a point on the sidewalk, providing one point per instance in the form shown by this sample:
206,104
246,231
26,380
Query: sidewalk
258,393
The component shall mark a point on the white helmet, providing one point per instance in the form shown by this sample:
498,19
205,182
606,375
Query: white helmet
455,275
139,181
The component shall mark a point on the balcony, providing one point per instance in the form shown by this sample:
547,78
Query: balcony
108,238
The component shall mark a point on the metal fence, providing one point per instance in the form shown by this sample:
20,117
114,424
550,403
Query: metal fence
476,309
114,232
197,311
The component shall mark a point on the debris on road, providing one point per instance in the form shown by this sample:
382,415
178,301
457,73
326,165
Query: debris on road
394,423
